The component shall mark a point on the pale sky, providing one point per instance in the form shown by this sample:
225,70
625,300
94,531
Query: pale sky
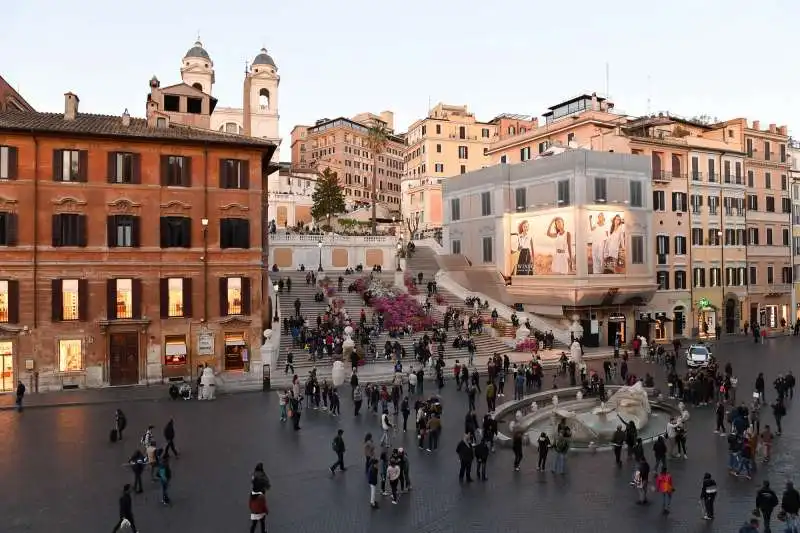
723,58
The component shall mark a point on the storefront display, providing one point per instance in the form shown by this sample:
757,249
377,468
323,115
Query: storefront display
175,350
6,366
235,351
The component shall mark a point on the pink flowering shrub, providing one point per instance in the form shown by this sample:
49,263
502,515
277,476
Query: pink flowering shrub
361,284
400,311
440,299
528,345
330,291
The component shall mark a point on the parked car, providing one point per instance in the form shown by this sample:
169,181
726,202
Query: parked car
698,356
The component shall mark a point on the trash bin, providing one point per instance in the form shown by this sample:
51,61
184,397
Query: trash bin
266,382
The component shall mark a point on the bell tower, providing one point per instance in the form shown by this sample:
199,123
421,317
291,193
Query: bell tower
261,95
197,69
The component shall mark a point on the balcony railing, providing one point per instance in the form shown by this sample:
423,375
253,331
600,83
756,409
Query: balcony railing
696,175
662,176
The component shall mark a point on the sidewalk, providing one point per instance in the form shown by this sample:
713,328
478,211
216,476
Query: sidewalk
105,395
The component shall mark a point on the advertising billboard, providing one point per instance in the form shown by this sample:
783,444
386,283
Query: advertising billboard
606,247
543,244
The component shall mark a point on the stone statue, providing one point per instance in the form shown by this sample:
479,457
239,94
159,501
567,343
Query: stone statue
631,403
522,333
575,353
337,374
208,384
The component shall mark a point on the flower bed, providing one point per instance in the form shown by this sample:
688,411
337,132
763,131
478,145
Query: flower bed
528,345
402,310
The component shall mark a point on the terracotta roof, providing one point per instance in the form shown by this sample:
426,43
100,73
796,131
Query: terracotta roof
111,126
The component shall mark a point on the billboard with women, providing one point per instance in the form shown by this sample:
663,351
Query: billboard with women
543,244
606,247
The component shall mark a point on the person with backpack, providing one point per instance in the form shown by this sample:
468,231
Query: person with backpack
766,502
258,510
338,448
137,462
386,426
708,494
260,480
120,422
125,511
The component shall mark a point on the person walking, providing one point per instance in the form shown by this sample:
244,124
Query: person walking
20,395
125,511
289,363
766,502
405,409
393,475
778,411
372,479
640,480
358,399
665,487
561,448
465,457
169,436
386,427
120,422
137,462
543,443
618,440
481,458
708,494
660,451
790,505
165,478
338,449
369,452
258,510
516,446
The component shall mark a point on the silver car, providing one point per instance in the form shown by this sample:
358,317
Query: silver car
698,356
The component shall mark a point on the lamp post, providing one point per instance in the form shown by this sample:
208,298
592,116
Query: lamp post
319,245
399,253
204,223
275,289
721,237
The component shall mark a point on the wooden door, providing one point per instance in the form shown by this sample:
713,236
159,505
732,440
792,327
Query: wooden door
124,358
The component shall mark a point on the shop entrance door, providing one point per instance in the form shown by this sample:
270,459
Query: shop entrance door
7,367
123,354
615,327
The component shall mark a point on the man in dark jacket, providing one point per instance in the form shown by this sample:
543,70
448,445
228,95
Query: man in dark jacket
790,503
125,510
20,394
465,456
481,457
766,501
339,449
169,436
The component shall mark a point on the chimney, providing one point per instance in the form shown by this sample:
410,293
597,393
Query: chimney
70,106
126,118
247,114
773,128
783,130
756,124
594,101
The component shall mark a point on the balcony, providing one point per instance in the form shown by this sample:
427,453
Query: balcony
696,176
662,176
464,137
771,289
769,250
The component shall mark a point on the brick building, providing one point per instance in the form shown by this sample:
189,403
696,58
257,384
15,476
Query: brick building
11,99
130,249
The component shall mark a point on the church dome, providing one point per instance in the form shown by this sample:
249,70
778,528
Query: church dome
263,58
198,51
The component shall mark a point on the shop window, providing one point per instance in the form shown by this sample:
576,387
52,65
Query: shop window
236,355
7,366
70,354
660,331
4,301
175,297
175,350
70,299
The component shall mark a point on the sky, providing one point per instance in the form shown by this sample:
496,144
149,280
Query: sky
721,58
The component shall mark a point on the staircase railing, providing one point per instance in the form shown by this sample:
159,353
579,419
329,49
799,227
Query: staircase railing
444,280
431,243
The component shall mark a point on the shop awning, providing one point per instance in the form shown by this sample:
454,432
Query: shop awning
175,348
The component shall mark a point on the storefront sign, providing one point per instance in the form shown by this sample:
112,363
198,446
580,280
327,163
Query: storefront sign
616,317
205,344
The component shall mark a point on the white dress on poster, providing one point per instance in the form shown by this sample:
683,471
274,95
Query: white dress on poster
561,256
599,234
616,239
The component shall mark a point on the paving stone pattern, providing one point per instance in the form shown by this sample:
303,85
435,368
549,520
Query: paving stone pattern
60,473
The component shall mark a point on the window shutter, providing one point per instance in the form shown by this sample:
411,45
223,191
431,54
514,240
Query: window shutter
187,229
187,297
58,165
13,301
164,170
111,299
223,174
245,174
135,232
674,201
244,233
83,232
224,231
164,229
56,301
136,285
56,230
12,229
112,167
163,297
83,300
223,296
13,163
111,230
136,176
83,165
700,201
187,172
245,296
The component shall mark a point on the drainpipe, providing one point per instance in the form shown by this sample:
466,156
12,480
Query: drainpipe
722,246
35,230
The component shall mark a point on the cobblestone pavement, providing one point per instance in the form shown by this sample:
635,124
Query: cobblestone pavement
59,473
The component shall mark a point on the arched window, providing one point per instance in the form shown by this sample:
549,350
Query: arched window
263,98
197,86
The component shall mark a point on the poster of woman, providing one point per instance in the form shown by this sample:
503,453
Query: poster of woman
607,243
543,245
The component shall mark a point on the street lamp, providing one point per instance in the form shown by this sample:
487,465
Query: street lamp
275,288
319,245
399,253
721,238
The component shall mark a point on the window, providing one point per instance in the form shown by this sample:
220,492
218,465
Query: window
749,145
455,209
563,193
712,175
769,237
714,277
176,297
503,159
679,202
784,183
462,132
636,199
70,355
525,153
783,153
520,198
455,246
770,275
175,350
161,122
438,148
234,296
752,202
234,174
713,205
714,236
662,248
698,277
662,280
485,133
438,167
70,165
234,233
124,298
488,255
738,171
486,204
463,169
697,203
726,172
770,204
637,250
70,299
695,169
785,237
750,179
9,231
680,280
767,180
752,236
753,275
124,167
69,229
680,245
767,153
8,163
786,274
176,232
123,231
176,171
659,201
9,301
463,152
697,237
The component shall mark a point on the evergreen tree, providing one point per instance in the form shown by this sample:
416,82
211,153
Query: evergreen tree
328,197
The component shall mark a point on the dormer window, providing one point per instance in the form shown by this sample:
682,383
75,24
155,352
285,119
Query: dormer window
194,106
161,122
172,103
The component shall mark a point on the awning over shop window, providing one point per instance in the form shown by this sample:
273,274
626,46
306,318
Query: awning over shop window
174,348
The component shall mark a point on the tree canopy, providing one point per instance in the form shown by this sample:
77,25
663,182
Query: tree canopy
328,196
